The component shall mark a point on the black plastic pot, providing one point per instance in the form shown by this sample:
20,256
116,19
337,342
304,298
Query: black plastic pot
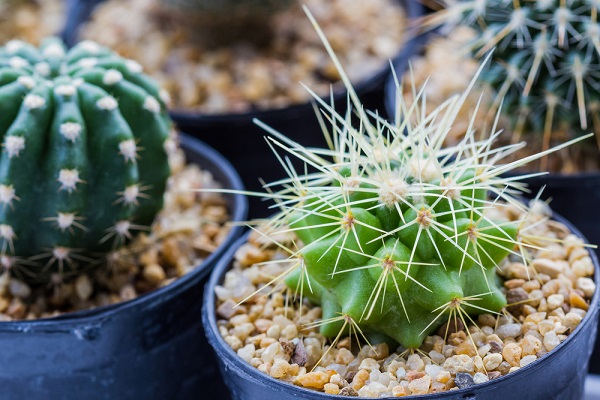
147,348
559,375
239,139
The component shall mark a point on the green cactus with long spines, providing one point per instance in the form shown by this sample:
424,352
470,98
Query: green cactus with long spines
83,164
545,64
390,232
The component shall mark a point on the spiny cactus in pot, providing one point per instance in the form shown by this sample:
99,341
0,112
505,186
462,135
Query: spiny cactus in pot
83,163
394,233
545,62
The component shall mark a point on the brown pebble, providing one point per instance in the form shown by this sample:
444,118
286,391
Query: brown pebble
496,347
348,391
228,309
299,356
515,298
494,374
514,283
288,347
512,354
412,375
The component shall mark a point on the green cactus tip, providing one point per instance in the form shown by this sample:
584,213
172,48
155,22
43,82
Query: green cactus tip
396,232
83,163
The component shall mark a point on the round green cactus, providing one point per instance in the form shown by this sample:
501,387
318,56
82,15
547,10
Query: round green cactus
83,164
546,59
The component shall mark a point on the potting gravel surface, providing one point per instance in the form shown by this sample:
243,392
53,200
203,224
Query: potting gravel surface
30,20
188,229
238,78
547,299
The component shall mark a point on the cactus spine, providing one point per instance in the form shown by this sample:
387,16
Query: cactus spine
396,233
545,63
83,164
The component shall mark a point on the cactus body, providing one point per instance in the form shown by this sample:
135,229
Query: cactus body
546,59
83,164
395,251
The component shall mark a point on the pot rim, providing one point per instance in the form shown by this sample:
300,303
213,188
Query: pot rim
240,209
79,11
250,373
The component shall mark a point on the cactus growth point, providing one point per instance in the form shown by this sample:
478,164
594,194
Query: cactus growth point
394,232
83,163
545,63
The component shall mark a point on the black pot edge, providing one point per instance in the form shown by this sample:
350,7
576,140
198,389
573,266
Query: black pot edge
254,375
79,11
62,322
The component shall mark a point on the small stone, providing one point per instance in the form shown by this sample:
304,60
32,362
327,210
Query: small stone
412,375
495,346
443,376
527,360
331,388
228,309
546,266
463,380
83,287
436,357
348,391
513,284
299,357
369,364
459,363
315,380
530,345
554,301
420,386
234,342
279,369
359,379
480,378
512,354
154,273
246,353
587,286
415,363
399,391
577,301
508,331
344,356
571,320
516,297
494,374
492,361
551,340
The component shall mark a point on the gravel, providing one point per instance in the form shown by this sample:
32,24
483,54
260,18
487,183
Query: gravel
554,307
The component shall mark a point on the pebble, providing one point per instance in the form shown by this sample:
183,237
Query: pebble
480,377
512,354
420,385
463,380
527,360
315,380
508,330
551,340
459,363
492,361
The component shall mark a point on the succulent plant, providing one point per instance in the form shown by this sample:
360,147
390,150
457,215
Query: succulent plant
396,233
545,64
83,133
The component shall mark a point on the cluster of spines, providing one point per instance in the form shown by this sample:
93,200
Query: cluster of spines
545,65
80,170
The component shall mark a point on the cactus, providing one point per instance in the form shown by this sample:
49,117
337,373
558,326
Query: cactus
396,233
545,63
83,133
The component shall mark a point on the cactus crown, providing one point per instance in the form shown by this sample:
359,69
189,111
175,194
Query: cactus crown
83,163
546,59
396,232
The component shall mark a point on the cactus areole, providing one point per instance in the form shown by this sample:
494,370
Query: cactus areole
83,164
